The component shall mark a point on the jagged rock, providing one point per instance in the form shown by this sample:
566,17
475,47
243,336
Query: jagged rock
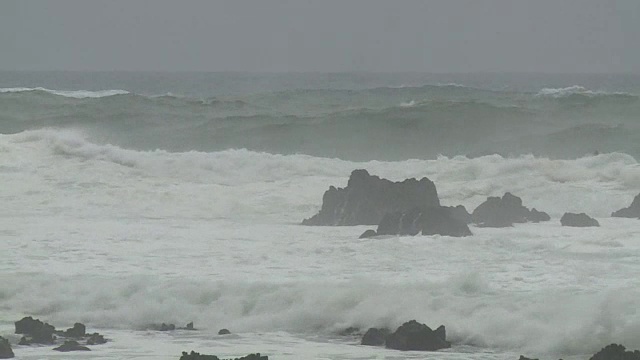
367,199
224,332
505,211
443,221
71,345
413,335
441,332
615,352
375,337
5,349
633,211
197,356
77,331
578,220
367,234
35,330
96,339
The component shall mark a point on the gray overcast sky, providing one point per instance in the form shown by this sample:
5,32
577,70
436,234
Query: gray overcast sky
322,35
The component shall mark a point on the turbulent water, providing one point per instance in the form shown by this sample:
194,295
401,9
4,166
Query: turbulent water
131,199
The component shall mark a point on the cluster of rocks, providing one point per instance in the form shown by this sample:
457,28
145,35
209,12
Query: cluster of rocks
169,327
411,335
412,207
197,356
36,332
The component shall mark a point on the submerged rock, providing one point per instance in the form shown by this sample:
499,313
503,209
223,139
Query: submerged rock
413,335
615,352
578,220
367,199
71,345
224,332
633,211
197,356
5,349
96,339
505,211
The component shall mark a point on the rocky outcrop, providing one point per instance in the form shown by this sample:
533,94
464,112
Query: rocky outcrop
5,349
633,211
367,199
578,220
413,335
35,331
616,352
77,331
375,337
505,211
168,327
197,356
71,345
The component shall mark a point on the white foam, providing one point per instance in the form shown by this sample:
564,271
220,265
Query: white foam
77,94
574,90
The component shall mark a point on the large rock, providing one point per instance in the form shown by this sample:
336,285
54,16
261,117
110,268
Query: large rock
413,335
633,211
578,220
367,199
504,212
35,331
77,331
615,352
5,349
375,337
435,220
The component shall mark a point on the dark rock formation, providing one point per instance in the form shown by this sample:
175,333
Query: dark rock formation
5,349
367,234
224,332
71,345
578,220
504,212
615,352
35,331
367,199
435,220
460,213
197,356
413,335
522,357
633,211
375,337
77,331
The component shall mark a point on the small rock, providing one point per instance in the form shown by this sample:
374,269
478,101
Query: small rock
77,331
71,345
413,335
96,339
578,220
224,332
367,234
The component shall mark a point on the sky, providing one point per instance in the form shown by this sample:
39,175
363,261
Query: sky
439,36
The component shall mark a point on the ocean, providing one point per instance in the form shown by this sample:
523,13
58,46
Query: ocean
131,199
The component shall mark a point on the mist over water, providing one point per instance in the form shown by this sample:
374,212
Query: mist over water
179,199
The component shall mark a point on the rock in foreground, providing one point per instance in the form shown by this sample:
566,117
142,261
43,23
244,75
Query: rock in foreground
505,211
5,349
35,331
413,335
633,211
367,199
71,345
578,220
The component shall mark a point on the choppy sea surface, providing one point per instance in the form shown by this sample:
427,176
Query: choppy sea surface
141,198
